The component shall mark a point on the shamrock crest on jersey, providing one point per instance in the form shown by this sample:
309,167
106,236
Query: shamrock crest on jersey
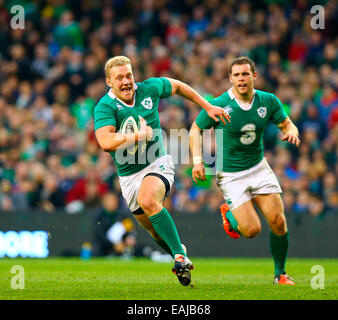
261,112
147,103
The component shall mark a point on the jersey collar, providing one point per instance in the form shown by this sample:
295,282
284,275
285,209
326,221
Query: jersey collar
246,108
112,95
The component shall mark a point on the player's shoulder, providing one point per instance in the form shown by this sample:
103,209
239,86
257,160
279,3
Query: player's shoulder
151,82
221,100
105,102
156,87
265,95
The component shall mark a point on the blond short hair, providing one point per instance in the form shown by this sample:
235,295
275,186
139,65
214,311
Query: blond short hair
115,62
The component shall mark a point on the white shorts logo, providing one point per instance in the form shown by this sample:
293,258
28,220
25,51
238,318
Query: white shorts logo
147,103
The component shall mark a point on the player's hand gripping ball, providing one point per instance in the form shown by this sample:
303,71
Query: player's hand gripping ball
134,124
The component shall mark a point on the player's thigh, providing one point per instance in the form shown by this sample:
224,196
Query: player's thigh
247,219
271,206
144,221
151,194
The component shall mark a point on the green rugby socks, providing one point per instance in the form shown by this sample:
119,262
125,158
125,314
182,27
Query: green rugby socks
166,229
279,249
232,220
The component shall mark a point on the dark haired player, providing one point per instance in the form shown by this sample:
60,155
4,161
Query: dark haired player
243,174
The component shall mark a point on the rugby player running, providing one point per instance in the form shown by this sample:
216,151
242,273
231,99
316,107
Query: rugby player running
242,172
147,176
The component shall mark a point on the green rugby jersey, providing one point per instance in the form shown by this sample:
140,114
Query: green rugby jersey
240,142
112,111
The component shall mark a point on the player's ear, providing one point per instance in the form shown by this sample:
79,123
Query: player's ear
230,77
255,75
108,82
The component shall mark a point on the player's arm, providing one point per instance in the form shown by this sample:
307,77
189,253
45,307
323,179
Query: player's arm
185,91
109,140
290,131
195,142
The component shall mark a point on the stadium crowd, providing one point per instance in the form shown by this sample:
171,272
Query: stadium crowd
52,76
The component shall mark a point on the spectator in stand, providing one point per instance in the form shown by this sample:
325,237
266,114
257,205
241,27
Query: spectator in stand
86,191
68,33
51,196
113,232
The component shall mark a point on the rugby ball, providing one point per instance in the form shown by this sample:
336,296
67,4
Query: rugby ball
131,125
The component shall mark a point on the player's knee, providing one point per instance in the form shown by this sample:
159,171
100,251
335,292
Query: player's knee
148,204
251,231
278,224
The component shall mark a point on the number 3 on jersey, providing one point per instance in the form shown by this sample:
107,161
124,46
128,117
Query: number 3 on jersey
249,134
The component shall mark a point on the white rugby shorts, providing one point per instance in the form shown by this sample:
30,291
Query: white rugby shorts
240,187
130,185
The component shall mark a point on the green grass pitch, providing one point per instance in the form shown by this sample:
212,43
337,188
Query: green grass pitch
143,279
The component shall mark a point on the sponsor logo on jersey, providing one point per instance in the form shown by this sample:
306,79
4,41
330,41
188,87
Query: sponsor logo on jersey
228,109
147,103
261,112
118,106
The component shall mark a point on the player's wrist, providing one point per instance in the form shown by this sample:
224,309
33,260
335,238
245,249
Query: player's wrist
207,107
197,160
